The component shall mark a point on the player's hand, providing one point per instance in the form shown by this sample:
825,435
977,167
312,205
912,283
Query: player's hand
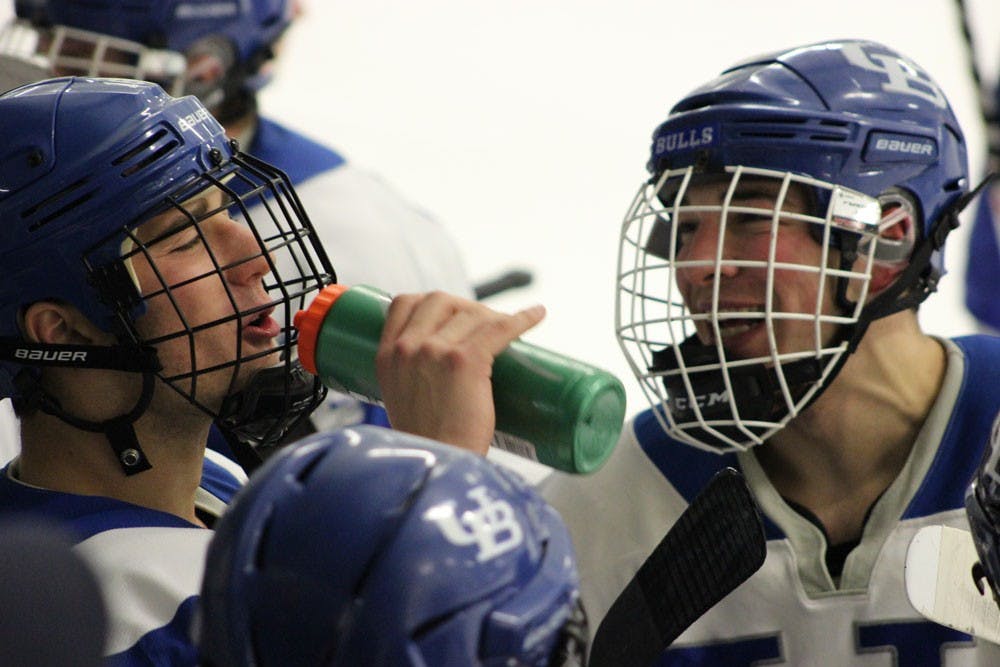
434,364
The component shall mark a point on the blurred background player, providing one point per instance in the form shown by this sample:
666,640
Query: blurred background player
223,52
770,272
45,585
148,294
372,547
982,272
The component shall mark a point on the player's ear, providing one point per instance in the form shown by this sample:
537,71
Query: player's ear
897,238
208,60
60,323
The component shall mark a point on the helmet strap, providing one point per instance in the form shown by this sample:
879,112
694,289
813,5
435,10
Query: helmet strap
919,279
119,431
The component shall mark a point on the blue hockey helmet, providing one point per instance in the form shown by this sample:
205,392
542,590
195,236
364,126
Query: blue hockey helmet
84,163
372,547
154,40
852,113
841,135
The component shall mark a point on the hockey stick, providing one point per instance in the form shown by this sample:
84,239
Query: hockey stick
987,105
941,583
502,283
715,545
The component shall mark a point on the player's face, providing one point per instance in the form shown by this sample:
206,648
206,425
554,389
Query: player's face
737,254
185,292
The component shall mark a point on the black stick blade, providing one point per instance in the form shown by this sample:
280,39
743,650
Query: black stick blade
714,546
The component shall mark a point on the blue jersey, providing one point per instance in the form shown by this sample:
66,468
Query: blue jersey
148,563
792,611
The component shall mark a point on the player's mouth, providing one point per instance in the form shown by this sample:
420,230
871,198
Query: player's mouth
733,329
261,329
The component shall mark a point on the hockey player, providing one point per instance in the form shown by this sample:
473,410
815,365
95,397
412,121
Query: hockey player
770,272
222,53
368,547
982,271
148,292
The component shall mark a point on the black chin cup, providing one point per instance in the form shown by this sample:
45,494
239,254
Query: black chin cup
757,394
274,402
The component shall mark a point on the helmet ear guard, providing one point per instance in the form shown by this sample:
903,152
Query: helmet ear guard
920,276
899,229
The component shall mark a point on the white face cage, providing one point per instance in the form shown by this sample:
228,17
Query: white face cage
65,51
733,293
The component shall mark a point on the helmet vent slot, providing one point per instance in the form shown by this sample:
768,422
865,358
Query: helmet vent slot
61,199
150,145
772,134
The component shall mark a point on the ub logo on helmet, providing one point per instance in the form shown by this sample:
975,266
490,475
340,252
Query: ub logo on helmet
492,527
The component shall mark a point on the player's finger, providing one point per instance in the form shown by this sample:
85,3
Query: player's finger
401,310
496,334
476,324
426,318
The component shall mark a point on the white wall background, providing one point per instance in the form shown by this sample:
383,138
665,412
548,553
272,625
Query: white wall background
523,125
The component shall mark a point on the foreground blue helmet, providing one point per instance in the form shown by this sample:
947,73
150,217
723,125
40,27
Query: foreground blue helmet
847,137
153,39
84,163
372,547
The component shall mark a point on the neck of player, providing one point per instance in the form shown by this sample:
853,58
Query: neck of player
172,434
844,451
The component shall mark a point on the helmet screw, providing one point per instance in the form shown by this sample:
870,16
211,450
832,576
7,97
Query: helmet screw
130,457
35,158
215,155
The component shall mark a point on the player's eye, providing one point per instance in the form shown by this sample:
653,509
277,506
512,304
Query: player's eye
195,240
747,220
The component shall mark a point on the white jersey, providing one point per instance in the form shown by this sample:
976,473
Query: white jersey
10,432
148,563
371,234
374,237
791,612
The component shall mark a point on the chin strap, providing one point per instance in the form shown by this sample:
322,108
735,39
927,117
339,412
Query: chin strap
919,279
119,431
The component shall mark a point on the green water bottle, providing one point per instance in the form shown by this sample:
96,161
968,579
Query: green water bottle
549,407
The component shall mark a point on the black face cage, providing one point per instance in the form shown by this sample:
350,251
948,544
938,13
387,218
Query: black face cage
261,410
